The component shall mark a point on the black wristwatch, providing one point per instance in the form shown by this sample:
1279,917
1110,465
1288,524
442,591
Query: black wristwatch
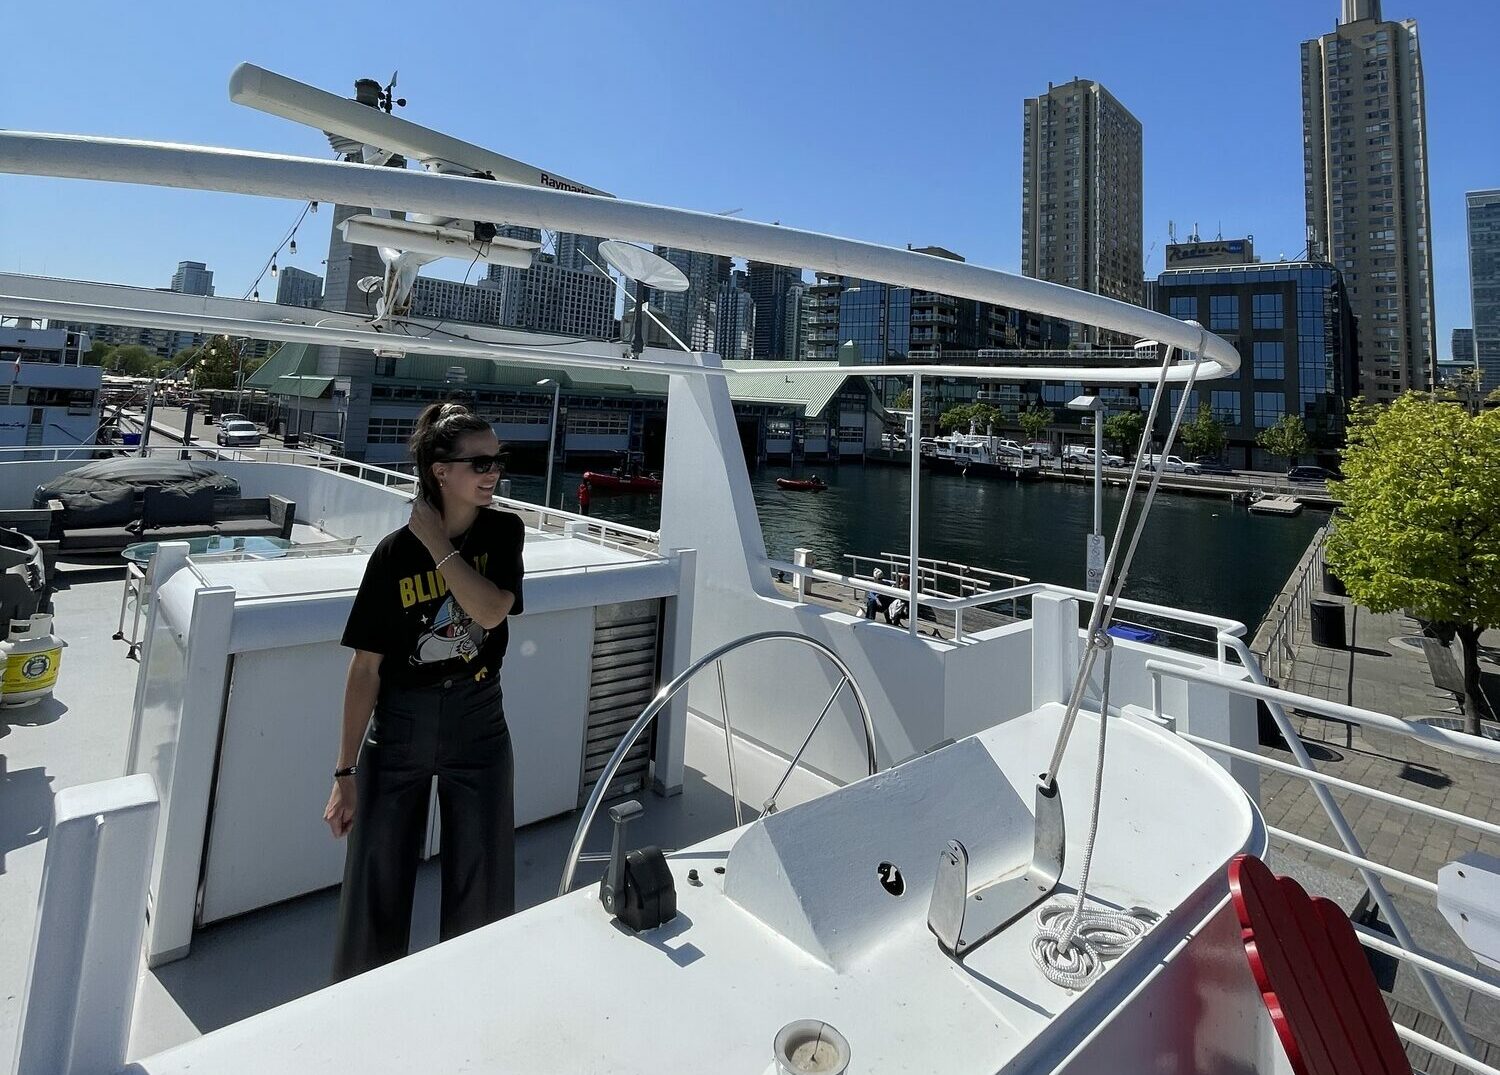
348,770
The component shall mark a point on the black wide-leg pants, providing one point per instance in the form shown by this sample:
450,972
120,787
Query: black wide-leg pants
455,731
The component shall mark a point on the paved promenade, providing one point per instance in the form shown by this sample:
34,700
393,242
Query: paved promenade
1381,670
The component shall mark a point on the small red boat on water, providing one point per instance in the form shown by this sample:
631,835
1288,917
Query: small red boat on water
622,483
629,477
803,485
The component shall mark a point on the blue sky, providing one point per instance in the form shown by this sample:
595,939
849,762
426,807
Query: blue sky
898,123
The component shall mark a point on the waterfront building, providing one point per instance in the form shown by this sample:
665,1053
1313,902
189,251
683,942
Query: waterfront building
164,343
1081,191
795,342
1462,347
579,252
734,334
193,278
1293,325
451,300
693,314
821,334
769,287
1484,283
297,287
814,415
1364,126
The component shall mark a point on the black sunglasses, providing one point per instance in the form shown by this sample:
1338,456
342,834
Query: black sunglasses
482,464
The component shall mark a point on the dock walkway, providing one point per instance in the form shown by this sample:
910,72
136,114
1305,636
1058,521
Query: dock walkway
1383,670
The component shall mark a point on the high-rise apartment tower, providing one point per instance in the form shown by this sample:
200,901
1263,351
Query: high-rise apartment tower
1081,191
1364,135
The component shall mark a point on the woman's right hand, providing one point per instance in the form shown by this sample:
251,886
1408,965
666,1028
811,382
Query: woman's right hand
340,810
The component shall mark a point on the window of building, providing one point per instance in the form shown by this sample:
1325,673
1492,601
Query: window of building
1223,312
1226,406
390,430
1183,307
1269,407
1267,311
1270,360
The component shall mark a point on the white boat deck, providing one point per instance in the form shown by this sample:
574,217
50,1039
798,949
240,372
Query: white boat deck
257,961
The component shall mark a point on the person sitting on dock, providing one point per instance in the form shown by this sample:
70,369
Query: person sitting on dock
898,610
877,602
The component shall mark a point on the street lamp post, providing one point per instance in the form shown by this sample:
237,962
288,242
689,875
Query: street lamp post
551,434
1094,566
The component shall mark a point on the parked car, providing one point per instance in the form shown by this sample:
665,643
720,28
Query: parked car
1172,464
1213,466
1078,453
233,417
1040,448
239,434
1310,474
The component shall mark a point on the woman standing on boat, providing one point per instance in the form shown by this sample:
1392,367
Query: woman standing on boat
429,631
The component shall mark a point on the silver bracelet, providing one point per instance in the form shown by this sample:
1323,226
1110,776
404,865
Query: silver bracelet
444,560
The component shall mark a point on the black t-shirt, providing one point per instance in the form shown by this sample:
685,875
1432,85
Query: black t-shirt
405,613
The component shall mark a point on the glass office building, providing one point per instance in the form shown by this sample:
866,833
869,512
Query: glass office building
1298,345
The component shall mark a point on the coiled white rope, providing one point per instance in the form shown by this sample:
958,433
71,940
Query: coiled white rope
1100,933
1073,940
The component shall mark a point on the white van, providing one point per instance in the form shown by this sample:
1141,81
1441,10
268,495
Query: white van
1172,464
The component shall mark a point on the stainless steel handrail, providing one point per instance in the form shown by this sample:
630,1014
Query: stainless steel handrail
666,694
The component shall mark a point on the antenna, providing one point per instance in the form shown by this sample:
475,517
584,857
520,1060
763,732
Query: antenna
1172,231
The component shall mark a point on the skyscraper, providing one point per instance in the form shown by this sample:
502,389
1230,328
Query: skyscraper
193,278
1364,126
579,252
1081,191
734,333
1484,283
296,287
769,288
1463,346
693,314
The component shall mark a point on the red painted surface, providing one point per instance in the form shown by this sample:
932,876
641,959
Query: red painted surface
1313,976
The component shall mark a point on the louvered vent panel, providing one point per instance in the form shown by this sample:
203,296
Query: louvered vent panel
622,679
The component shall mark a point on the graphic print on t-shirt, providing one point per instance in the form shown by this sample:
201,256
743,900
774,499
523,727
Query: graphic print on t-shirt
450,631
453,633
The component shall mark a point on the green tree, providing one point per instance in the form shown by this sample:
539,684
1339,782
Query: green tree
1124,431
959,417
133,360
903,400
1034,421
1287,439
99,353
1203,437
1420,524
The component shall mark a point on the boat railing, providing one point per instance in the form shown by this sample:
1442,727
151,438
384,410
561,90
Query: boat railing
1217,631
1401,945
610,534
945,576
1274,641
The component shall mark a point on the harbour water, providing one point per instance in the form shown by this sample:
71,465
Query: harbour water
1201,553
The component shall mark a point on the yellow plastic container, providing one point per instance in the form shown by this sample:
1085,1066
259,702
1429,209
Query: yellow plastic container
33,656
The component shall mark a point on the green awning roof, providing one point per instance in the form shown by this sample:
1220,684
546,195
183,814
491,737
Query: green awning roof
290,359
302,387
